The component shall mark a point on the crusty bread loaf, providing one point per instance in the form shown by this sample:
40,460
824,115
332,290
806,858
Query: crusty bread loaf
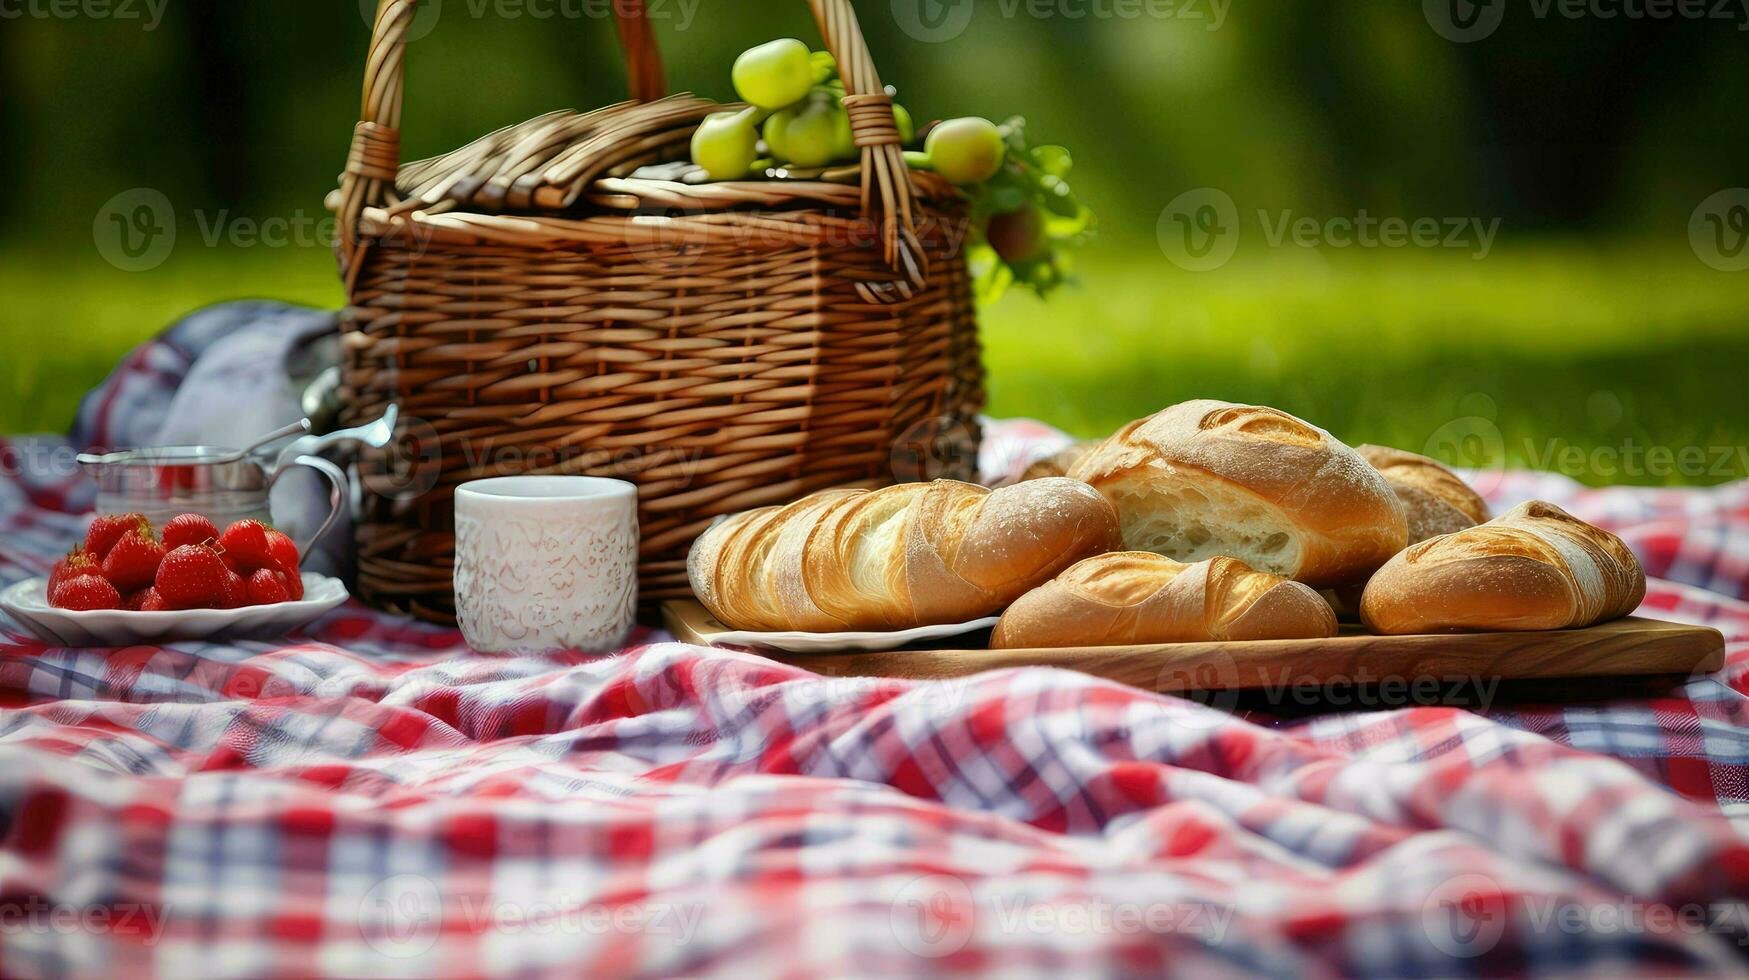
1058,463
1435,500
1209,478
1139,597
1535,567
909,555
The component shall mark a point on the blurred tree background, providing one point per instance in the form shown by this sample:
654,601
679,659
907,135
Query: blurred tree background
1590,321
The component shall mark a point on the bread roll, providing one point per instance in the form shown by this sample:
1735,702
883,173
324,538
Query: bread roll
909,555
1139,597
1535,567
1435,500
1209,478
1058,463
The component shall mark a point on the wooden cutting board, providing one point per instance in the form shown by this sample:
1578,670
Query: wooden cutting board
1624,647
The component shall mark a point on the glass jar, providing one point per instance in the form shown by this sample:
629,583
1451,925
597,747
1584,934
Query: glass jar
165,481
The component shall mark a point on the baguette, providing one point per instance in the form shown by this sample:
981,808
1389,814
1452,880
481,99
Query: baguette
910,555
1435,500
1208,478
1136,597
1535,567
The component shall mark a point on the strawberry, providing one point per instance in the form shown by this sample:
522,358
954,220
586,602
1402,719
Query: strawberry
78,562
107,529
151,601
284,551
86,592
246,543
267,587
132,600
132,562
285,559
188,529
191,576
235,593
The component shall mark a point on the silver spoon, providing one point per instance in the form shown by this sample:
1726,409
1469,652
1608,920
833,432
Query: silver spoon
375,434
297,428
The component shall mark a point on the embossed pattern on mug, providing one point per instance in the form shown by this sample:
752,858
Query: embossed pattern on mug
546,583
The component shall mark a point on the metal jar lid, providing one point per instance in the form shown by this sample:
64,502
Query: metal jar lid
174,471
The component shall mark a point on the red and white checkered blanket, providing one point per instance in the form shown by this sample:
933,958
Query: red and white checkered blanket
371,798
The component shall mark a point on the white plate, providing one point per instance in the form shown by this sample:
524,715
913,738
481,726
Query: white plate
795,641
28,603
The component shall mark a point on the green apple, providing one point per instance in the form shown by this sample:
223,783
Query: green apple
774,74
825,67
812,134
968,150
843,137
774,134
902,119
726,144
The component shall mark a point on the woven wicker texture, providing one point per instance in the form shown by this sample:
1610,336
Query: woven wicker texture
545,164
725,346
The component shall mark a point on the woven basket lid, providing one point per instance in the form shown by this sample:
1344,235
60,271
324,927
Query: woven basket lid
621,158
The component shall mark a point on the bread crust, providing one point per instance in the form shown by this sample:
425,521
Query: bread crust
790,584
1308,507
1137,597
1533,567
1060,462
838,547
902,556
1435,500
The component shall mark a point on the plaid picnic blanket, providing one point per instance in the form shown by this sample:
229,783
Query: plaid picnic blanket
371,798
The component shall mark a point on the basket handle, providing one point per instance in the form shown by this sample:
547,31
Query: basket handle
375,156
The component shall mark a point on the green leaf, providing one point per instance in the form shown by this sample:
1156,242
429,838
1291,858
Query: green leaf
990,275
1058,198
1064,229
1053,160
1005,199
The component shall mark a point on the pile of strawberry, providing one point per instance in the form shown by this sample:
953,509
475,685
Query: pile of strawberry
126,564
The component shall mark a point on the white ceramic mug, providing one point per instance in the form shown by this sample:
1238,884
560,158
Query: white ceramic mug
545,563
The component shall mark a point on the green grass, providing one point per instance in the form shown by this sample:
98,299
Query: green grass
66,319
1619,364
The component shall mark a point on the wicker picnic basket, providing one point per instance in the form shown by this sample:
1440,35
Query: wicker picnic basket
538,302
